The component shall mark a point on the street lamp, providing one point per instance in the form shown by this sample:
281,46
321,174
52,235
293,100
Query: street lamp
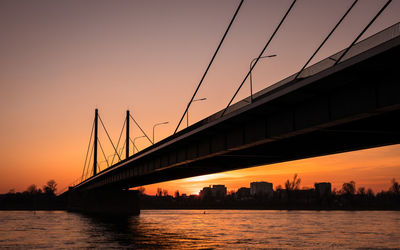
155,125
251,80
187,113
133,142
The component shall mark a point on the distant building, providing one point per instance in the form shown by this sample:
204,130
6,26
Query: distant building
305,196
323,189
261,188
218,191
205,192
243,192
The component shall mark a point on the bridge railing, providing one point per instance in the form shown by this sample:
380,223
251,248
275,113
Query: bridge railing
358,48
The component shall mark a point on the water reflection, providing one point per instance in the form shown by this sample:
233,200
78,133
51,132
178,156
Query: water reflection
131,231
109,230
192,229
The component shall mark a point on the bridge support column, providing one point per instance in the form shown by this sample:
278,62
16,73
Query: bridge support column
105,202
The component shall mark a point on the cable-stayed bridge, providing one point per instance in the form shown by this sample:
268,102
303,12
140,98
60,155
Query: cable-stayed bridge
348,101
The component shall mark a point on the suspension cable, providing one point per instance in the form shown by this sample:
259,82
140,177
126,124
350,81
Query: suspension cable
87,151
119,139
326,39
122,148
261,53
104,127
73,183
210,63
363,31
90,160
137,124
134,144
104,155
120,152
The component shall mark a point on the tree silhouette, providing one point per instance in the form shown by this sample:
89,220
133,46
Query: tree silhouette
159,192
361,191
294,184
32,189
349,188
165,192
50,188
395,188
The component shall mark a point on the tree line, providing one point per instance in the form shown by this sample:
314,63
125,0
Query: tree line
33,198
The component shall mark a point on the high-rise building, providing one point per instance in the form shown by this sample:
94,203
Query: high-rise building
205,192
261,188
218,191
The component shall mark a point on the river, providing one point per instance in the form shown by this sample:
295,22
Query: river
199,229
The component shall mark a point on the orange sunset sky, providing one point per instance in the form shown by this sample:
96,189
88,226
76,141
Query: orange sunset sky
59,60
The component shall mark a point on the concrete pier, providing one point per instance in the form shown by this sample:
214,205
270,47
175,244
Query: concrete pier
112,202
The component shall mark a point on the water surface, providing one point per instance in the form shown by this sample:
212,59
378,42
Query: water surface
192,229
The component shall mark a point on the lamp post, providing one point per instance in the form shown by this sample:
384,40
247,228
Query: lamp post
155,125
187,113
251,80
133,142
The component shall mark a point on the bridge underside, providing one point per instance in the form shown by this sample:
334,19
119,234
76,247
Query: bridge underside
379,130
353,105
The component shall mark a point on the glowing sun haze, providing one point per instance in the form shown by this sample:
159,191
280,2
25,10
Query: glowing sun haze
60,60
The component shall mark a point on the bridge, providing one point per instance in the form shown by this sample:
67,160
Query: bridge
348,101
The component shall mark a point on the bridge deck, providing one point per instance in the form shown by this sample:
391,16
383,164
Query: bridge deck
352,105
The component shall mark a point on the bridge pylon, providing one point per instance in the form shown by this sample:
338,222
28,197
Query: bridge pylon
127,135
95,139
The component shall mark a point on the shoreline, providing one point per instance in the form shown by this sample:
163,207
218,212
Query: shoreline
249,209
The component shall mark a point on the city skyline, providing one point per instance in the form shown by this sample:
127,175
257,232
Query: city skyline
235,187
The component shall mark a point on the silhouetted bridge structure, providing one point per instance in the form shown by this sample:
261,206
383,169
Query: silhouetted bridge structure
328,108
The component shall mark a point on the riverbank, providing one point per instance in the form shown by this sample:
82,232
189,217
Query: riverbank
330,203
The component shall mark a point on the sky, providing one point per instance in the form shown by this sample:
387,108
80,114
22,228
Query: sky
60,60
